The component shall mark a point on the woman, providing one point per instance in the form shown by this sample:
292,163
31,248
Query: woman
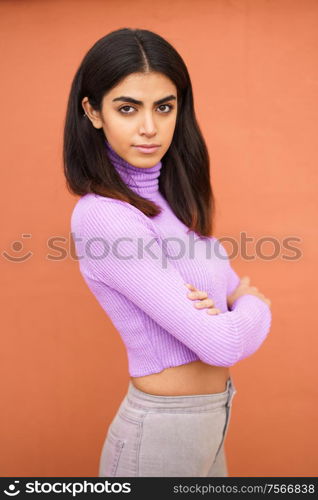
134,152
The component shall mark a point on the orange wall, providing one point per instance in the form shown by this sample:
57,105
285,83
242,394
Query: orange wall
253,65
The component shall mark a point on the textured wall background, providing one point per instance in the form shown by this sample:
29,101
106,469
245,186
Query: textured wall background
63,368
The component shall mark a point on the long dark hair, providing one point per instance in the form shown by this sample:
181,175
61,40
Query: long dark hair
184,178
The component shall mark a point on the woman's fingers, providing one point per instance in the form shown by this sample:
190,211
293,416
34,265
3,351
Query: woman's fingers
191,287
197,295
213,311
205,301
209,304
245,280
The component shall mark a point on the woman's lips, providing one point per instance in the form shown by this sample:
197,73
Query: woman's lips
147,150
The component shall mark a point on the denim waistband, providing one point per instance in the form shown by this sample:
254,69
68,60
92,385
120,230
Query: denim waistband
139,399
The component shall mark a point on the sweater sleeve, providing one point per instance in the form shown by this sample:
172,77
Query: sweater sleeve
233,280
123,251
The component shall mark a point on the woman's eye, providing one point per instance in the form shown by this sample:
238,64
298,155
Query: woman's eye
124,108
169,106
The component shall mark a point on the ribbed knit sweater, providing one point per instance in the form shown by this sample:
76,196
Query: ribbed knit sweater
137,268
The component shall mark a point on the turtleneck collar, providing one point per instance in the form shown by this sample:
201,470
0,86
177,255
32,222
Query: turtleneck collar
142,180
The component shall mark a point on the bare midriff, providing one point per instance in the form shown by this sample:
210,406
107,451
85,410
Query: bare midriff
184,380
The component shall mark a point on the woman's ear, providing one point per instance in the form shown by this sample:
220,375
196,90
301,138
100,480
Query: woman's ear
91,113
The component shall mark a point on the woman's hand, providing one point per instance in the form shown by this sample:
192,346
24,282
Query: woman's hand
203,297
245,288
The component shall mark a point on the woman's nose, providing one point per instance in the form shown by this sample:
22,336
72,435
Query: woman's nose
148,124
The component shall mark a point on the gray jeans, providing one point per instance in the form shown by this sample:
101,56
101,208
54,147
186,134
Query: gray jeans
168,436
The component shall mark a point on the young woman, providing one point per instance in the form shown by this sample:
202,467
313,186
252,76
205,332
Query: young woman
142,228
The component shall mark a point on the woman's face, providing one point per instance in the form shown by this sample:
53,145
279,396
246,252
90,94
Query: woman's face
127,124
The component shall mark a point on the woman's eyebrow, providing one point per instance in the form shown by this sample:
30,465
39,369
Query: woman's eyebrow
135,101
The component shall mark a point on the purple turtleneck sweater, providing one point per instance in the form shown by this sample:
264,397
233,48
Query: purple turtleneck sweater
137,267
